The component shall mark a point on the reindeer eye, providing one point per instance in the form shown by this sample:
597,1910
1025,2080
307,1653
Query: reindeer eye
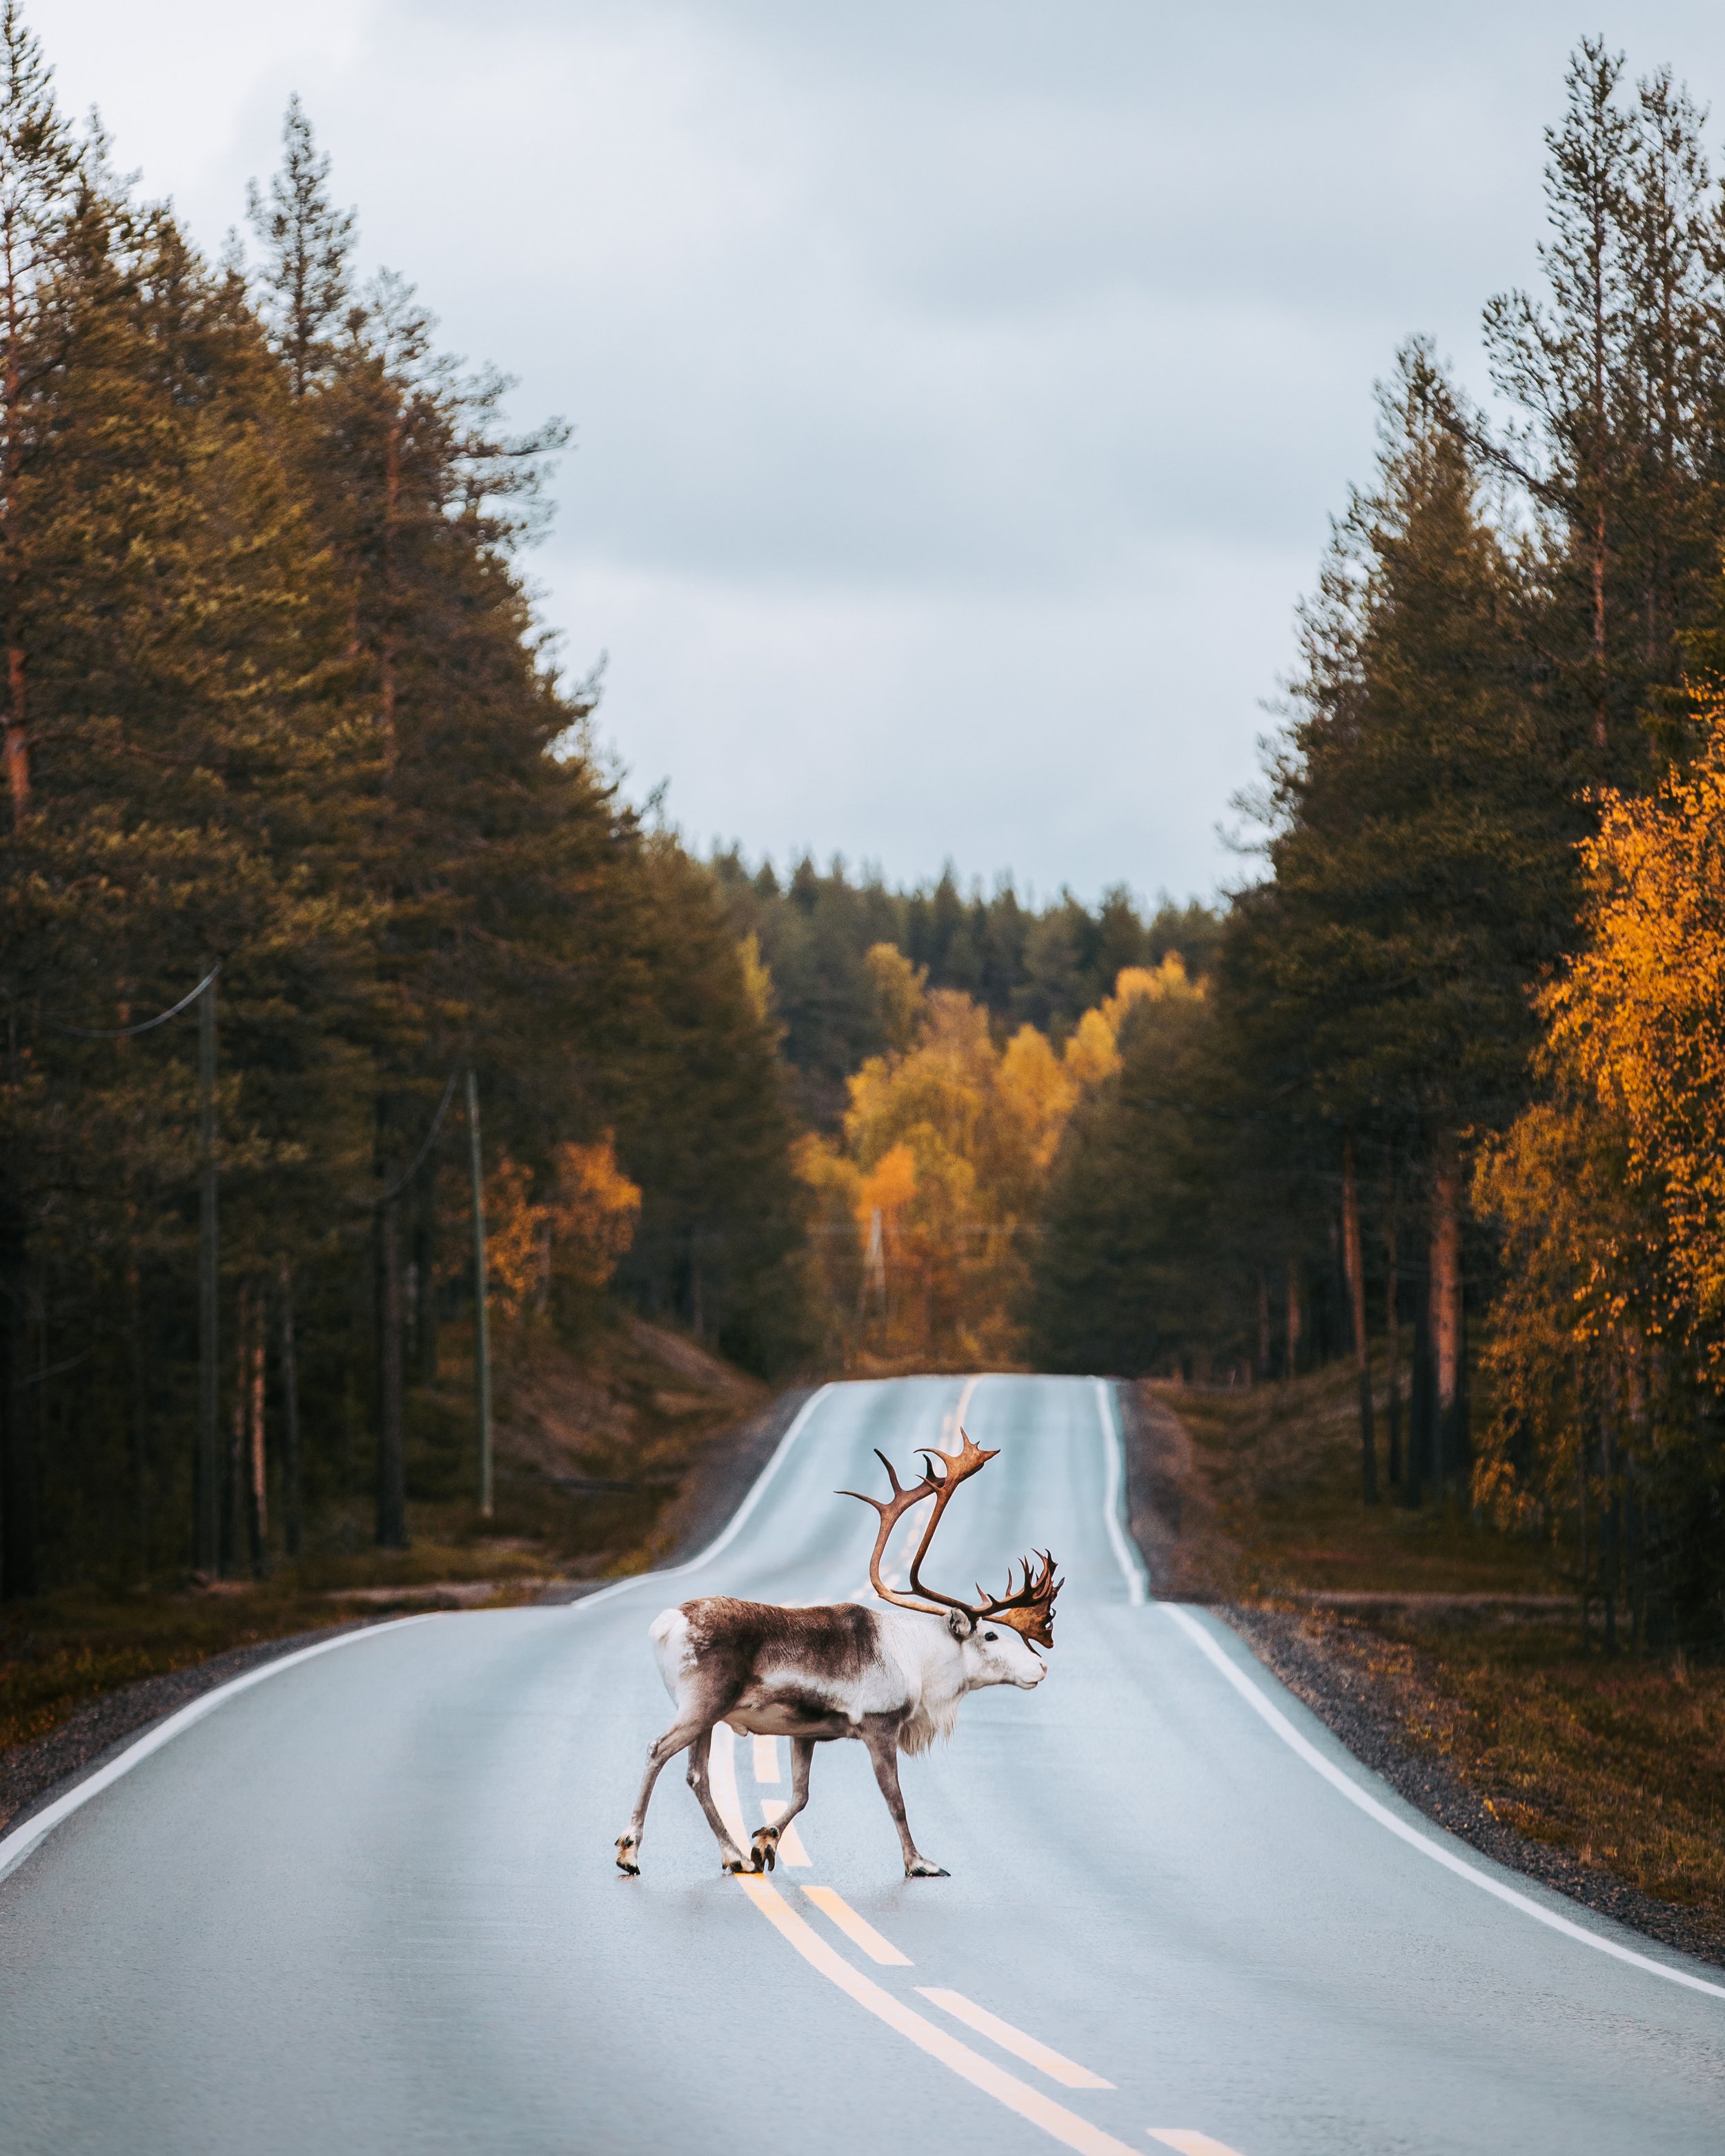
991,1635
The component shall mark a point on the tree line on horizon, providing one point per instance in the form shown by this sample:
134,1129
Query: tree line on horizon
1020,964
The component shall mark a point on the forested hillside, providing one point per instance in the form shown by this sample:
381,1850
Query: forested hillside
279,721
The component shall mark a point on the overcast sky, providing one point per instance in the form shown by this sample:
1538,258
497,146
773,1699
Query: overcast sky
960,387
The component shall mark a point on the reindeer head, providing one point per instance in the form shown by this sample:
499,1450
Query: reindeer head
1027,1611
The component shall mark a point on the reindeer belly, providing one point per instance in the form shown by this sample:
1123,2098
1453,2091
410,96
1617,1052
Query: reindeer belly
788,1710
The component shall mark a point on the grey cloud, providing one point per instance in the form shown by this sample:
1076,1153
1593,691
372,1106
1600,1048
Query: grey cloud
961,386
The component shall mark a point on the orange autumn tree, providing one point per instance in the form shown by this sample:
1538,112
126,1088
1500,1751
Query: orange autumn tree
924,1207
573,1228
1607,1353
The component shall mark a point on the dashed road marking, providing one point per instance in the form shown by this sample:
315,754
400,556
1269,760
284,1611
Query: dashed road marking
1042,2056
857,1929
766,1760
1061,2125
1188,2143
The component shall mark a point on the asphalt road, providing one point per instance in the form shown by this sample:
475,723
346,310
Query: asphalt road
365,1902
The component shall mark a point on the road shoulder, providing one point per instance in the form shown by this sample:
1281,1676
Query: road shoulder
1371,1691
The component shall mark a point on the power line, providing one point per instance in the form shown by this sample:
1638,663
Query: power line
145,1025
396,1189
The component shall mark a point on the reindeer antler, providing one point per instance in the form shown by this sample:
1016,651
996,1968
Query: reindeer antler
1030,1611
946,1471
891,1510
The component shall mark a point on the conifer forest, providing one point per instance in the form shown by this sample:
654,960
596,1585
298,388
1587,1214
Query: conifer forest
349,1004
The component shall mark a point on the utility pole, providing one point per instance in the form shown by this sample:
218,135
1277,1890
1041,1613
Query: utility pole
481,1308
209,1382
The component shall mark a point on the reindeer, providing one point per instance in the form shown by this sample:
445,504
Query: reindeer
892,1678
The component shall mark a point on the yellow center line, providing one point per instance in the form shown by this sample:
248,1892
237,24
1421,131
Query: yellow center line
857,1929
1062,2125
765,1759
790,1842
1042,2056
1188,2143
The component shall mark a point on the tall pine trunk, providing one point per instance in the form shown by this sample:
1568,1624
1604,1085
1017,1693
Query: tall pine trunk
1393,1338
1422,1416
1294,1317
257,1520
1353,1265
19,1567
292,1491
391,1470
1264,1369
1448,1447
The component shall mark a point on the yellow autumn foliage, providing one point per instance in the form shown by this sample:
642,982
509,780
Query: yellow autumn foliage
1610,1193
1639,1016
948,1144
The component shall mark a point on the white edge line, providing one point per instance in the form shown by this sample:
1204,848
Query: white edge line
726,1535
18,1844
1435,1850
1114,1444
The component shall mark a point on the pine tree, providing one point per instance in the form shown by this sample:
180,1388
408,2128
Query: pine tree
42,176
305,288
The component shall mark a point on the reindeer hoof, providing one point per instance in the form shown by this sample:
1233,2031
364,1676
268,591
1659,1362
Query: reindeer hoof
739,1870
764,1844
922,1869
626,1847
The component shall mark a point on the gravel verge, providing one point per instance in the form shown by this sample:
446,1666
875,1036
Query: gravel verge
34,1775
1360,1710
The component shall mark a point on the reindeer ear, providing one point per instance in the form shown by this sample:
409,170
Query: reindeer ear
960,1623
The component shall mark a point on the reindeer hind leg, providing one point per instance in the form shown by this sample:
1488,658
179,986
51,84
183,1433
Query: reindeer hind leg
682,1733
729,1855
763,1843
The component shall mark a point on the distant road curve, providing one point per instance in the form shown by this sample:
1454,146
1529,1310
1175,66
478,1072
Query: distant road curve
362,1899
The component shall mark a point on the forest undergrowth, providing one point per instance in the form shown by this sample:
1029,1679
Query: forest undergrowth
594,1441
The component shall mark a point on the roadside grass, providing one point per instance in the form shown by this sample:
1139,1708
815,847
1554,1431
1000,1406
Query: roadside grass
1280,1470
1619,1759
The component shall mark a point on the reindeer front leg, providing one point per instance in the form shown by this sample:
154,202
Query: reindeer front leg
764,1841
880,1732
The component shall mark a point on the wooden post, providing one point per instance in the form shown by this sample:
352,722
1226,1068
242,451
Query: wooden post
1353,1264
258,1462
209,1378
481,1300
